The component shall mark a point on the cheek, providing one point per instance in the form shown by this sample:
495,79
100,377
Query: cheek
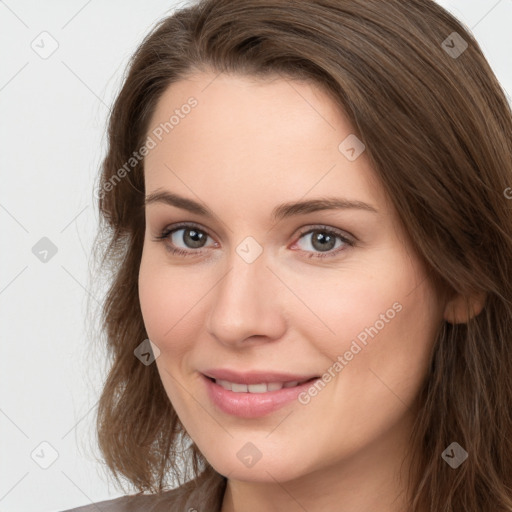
341,308
395,334
172,301
164,308
384,317
154,302
161,304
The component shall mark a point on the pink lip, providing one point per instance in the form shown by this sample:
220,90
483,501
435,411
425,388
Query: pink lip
252,405
254,377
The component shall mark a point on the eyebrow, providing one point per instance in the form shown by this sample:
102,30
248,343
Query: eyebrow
280,212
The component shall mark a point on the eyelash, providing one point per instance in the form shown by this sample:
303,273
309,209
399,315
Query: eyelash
164,235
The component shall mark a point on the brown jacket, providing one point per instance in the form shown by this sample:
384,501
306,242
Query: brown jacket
193,496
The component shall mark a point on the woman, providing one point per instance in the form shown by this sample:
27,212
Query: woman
307,214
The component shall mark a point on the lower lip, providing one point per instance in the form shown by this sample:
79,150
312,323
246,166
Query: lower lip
252,405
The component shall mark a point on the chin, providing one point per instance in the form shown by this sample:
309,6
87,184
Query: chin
268,469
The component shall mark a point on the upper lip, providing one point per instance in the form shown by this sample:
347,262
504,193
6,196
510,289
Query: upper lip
255,377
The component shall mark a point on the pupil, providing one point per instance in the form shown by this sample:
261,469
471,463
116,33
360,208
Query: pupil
193,238
325,241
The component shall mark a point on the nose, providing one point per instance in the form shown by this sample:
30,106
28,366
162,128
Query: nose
246,304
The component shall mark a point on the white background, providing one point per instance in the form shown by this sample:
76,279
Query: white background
53,117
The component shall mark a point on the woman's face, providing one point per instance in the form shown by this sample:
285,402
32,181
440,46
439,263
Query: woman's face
314,291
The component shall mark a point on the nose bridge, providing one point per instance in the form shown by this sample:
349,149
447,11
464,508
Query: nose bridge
245,301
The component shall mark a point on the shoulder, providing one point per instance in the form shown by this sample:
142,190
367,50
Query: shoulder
129,503
203,494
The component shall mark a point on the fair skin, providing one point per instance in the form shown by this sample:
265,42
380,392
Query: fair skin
248,146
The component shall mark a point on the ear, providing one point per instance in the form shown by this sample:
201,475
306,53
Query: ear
460,308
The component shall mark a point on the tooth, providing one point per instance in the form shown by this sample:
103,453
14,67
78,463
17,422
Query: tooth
224,383
257,388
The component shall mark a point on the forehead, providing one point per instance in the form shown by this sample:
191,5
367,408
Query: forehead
257,136
226,102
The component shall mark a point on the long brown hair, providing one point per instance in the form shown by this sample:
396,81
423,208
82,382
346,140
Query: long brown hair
438,131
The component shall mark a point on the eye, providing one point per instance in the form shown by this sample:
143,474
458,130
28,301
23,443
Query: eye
184,239
188,239
328,242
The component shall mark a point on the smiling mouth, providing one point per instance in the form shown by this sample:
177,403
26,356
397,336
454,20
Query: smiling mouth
263,387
